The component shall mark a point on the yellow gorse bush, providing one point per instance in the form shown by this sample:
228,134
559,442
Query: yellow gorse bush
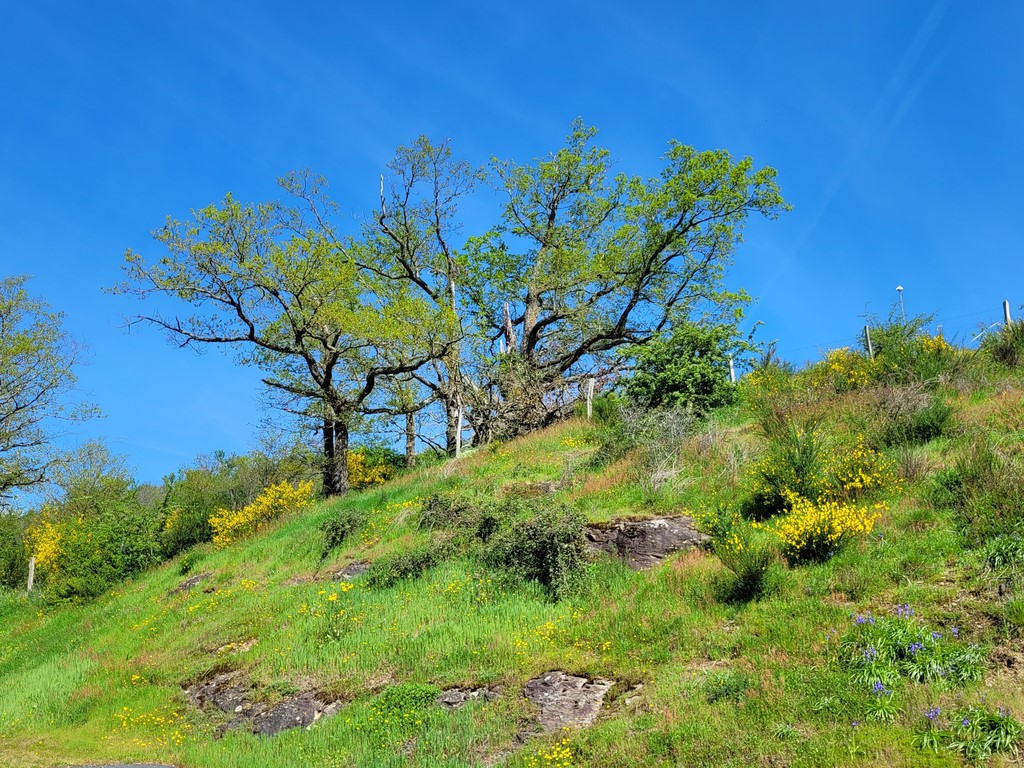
844,369
858,472
44,544
814,530
230,525
935,345
362,474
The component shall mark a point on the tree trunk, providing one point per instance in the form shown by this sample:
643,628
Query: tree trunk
335,457
451,412
410,439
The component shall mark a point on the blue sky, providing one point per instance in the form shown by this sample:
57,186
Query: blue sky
897,130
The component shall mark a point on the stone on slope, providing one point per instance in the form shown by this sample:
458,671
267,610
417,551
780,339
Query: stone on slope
566,700
643,544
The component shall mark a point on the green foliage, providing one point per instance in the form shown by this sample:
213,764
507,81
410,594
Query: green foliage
37,378
13,554
397,713
347,521
753,561
983,487
978,732
726,685
791,465
548,546
686,369
410,564
884,650
195,493
1007,346
904,415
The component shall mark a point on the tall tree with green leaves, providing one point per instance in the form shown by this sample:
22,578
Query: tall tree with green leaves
277,283
584,262
37,379
414,240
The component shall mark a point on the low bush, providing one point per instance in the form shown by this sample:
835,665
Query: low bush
753,562
791,467
230,525
813,531
410,564
983,487
346,522
548,546
1007,346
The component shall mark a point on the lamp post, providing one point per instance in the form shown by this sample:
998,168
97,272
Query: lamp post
903,311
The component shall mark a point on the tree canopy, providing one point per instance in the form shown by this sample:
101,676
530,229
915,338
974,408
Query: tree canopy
500,326
37,361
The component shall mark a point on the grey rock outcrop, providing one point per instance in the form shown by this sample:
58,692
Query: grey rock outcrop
643,544
566,701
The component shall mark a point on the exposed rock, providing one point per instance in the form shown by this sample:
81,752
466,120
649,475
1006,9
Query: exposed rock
566,700
351,571
299,711
643,544
191,582
454,698
229,693
226,691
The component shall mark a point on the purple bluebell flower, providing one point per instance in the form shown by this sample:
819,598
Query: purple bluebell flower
855,723
915,647
879,689
933,713
870,653
936,635
965,722
904,611
955,631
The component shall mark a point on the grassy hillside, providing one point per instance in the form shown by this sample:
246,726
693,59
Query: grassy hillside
759,663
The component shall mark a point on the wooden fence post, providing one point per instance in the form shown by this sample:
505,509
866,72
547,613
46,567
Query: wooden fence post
867,336
590,398
31,573
1006,312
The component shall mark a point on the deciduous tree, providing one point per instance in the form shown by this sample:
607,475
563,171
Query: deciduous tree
37,361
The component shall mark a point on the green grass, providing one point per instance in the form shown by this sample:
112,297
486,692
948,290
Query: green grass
722,683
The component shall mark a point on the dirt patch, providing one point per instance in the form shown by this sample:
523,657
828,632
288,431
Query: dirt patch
455,698
566,701
643,544
231,693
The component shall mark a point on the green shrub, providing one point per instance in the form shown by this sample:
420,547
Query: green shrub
754,565
984,488
548,546
725,685
13,553
687,369
1007,346
448,511
792,464
346,522
411,564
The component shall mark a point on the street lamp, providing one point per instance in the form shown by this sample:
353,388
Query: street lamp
903,311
